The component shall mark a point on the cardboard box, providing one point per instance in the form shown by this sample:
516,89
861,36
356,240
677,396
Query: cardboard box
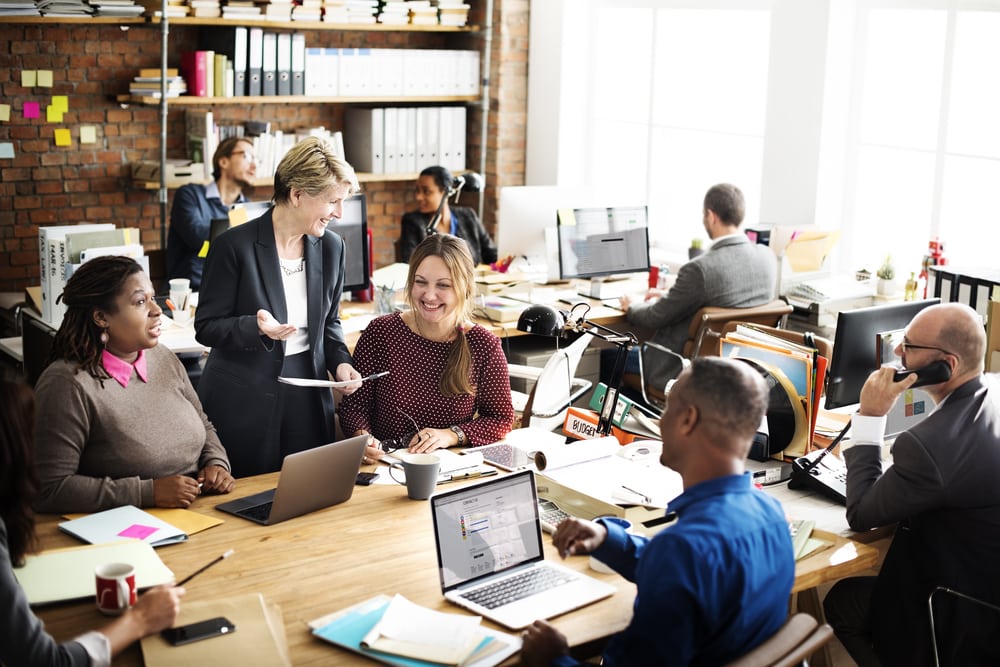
993,334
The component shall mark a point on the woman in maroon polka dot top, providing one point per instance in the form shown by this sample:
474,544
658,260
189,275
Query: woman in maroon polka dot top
448,383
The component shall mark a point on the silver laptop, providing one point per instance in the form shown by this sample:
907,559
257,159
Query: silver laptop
309,480
489,549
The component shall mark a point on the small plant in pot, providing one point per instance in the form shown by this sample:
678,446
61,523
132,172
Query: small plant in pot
886,273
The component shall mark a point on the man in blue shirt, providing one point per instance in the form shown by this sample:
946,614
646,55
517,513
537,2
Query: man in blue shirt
715,584
195,205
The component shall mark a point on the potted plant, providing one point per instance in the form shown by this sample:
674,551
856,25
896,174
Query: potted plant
886,273
695,249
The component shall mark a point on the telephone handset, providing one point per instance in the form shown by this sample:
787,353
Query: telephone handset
822,473
935,372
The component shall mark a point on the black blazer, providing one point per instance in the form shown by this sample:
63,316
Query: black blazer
239,385
414,225
944,489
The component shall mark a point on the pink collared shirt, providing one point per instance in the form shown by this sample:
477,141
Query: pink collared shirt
120,370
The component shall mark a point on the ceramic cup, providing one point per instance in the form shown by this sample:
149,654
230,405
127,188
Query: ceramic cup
421,471
116,590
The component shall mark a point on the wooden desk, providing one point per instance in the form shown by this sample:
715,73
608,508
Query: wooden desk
377,542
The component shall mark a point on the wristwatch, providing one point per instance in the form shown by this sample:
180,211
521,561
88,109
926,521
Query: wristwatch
461,435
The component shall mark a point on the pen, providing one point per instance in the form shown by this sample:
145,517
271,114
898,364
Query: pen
205,567
467,475
645,498
170,305
375,376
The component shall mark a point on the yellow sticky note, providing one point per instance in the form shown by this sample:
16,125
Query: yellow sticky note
61,102
203,253
88,134
44,78
4,112
62,137
53,114
28,78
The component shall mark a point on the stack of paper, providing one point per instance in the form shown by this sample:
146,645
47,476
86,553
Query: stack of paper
397,632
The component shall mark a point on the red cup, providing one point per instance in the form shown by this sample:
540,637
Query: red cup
654,277
116,590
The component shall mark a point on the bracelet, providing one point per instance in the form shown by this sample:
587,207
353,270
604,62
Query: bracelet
461,435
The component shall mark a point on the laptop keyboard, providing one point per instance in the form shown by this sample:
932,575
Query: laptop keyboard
518,587
259,512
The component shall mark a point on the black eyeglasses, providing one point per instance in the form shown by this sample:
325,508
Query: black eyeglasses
390,445
903,345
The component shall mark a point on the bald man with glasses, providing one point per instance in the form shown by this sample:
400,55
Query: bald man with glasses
943,490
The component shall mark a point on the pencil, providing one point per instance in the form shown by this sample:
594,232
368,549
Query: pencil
205,567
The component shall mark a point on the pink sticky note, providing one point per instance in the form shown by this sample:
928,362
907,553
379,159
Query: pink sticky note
138,531
31,110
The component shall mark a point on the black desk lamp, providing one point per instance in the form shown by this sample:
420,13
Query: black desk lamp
547,321
471,181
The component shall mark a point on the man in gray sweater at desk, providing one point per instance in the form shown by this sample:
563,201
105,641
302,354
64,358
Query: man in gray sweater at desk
943,491
734,273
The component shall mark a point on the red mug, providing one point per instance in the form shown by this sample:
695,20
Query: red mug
116,590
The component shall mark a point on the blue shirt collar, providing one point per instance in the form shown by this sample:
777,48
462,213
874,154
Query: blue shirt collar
712,487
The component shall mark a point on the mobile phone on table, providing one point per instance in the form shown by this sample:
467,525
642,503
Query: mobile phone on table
193,632
366,478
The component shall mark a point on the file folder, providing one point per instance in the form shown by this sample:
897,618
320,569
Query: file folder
298,63
269,71
364,139
231,42
284,60
255,61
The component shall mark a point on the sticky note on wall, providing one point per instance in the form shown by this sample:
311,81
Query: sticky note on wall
62,137
31,110
29,78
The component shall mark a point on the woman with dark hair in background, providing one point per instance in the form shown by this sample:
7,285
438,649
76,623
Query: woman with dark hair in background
448,383
118,420
433,186
23,640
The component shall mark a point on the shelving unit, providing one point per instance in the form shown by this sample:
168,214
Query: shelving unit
191,101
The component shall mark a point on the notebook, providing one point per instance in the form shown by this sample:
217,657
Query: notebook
309,480
487,536
120,523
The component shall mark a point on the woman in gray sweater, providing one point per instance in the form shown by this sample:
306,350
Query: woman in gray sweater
118,420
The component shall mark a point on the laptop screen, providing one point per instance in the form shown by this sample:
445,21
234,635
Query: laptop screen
487,528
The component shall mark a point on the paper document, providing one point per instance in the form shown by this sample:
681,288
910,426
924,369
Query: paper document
307,382
68,574
413,631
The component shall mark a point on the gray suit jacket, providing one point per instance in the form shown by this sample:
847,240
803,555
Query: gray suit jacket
734,273
239,385
944,489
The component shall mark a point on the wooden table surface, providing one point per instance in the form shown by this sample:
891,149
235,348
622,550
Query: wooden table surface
377,542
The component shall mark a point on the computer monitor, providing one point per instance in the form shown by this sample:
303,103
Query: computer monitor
526,212
600,242
353,228
856,346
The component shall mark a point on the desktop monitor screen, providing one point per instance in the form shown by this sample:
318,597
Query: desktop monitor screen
595,242
353,228
856,346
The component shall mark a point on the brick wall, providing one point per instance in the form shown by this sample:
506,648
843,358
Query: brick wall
92,64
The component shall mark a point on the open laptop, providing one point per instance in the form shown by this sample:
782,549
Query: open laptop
488,537
309,480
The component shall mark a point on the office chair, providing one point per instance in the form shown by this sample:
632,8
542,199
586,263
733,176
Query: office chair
658,365
793,644
944,590
706,325
555,387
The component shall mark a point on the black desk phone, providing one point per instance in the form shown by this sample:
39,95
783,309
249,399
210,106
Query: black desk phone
822,473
